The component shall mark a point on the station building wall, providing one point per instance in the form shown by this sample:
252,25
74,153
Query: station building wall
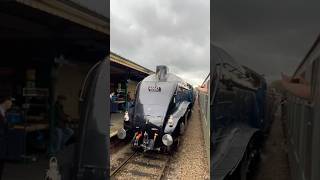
132,88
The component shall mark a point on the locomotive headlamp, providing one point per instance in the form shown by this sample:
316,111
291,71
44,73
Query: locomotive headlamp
170,121
126,116
167,140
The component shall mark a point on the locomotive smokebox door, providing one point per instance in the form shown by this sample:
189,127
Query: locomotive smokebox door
162,72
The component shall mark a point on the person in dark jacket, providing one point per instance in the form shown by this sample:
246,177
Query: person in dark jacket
5,105
63,133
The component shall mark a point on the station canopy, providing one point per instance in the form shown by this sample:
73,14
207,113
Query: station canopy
47,29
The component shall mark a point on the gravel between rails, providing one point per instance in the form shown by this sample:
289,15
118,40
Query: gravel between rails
190,161
143,166
118,157
139,165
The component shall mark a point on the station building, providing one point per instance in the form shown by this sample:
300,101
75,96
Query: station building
124,77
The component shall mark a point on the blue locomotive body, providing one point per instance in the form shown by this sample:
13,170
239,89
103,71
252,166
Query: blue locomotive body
160,112
237,116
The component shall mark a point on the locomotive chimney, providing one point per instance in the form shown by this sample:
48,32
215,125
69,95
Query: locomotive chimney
161,72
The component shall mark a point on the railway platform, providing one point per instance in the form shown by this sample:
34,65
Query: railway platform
274,162
116,123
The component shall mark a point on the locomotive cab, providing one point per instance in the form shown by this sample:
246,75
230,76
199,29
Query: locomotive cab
160,113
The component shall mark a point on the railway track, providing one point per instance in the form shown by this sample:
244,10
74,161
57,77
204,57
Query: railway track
137,165
117,144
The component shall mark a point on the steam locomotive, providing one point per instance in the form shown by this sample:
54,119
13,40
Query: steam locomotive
160,113
238,123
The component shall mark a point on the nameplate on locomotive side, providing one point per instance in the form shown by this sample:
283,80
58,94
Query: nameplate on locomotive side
154,89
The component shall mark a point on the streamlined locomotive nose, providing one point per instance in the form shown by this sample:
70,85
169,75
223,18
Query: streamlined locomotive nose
161,103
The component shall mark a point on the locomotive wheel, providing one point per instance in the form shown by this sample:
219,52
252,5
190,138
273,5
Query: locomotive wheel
177,144
186,118
189,112
182,128
174,147
169,149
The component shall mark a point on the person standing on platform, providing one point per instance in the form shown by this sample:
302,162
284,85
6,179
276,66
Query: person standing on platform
63,133
5,105
129,101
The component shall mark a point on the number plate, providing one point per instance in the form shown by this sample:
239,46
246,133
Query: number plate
154,89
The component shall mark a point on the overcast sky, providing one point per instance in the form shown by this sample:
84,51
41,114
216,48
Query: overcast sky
175,33
270,36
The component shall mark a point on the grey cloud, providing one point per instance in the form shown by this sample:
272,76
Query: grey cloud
269,36
174,33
